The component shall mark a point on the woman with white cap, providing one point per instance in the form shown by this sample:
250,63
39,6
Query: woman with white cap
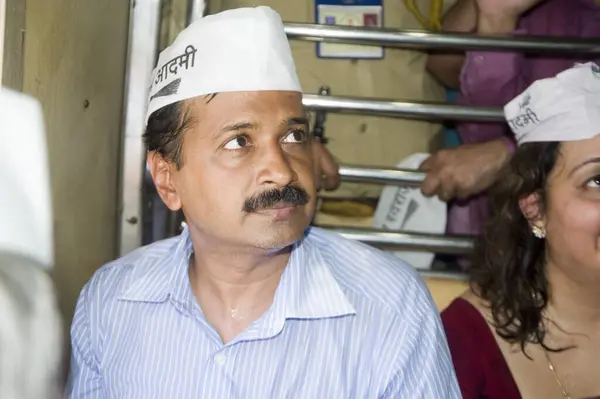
530,326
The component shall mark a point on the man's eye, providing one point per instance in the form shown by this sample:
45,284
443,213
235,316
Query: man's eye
297,136
594,182
237,143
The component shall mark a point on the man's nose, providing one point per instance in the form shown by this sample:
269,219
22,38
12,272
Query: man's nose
274,167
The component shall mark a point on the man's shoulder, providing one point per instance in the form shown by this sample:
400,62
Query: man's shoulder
112,278
371,274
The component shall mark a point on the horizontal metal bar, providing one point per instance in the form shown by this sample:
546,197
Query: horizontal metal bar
367,174
426,40
401,109
196,10
406,241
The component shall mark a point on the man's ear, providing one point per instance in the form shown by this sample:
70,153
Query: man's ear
162,174
532,210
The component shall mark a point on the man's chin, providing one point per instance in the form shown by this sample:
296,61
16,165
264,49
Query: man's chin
279,238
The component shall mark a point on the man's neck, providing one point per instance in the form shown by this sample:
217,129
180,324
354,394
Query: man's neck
234,285
233,276
574,302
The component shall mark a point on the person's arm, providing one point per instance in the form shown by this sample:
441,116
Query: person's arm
327,170
85,380
446,67
424,369
492,78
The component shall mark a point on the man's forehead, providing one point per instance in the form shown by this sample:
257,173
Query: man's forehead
228,104
236,111
256,124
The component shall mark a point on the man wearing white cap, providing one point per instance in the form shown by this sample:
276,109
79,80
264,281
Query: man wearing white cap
248,302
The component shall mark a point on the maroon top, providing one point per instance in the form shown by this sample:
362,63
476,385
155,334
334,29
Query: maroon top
480,366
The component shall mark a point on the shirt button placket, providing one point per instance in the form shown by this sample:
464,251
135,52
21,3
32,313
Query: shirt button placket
220,359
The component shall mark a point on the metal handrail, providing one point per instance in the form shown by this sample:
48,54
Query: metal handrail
425,40
373,175
401,109
385,239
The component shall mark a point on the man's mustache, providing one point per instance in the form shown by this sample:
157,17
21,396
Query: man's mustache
288,195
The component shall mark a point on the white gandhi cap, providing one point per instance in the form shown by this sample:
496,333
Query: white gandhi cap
244,49
562,108
25,205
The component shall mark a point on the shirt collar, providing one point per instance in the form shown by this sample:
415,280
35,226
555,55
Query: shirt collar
307,289
161,276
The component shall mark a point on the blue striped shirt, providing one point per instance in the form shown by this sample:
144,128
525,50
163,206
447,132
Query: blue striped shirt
347,321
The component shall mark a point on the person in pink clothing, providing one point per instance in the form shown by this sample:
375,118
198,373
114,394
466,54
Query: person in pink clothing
491,79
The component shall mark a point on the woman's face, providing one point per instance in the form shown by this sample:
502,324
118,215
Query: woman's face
572,215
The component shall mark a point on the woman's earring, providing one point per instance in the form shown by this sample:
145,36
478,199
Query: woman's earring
538,231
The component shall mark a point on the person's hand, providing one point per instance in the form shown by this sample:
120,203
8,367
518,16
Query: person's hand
463,171
512,8
327,171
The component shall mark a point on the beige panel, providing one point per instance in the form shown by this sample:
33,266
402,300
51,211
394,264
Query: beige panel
445,291
75,53
401,75
2,22
173,20
12,57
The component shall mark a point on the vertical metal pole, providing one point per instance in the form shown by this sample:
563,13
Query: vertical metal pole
13,43
142,52
197,9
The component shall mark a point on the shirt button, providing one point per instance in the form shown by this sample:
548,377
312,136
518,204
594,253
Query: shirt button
220,359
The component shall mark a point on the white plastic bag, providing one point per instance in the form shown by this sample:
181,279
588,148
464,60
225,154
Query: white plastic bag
405,209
